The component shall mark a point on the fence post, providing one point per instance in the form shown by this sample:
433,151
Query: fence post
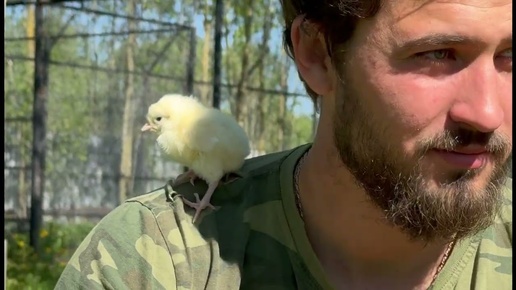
217,63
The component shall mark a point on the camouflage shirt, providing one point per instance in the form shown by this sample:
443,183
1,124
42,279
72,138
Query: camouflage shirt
254,240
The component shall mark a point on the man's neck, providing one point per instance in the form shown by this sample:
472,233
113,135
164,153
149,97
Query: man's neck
349,233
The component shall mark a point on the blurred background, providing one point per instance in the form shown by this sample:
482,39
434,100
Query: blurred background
79,76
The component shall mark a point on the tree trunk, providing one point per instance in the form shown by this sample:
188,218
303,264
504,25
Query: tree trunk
205,61
262,105
229,68
22,177
22,184
126,162
39,125
30,30
282,117
190,64
262,112
140,159
111,123
247,69
217,63
240,96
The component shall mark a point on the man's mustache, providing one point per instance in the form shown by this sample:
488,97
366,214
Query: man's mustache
451,140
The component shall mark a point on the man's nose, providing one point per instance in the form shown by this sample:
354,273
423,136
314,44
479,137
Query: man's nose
480,97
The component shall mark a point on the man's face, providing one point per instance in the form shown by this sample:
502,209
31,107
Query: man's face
423,116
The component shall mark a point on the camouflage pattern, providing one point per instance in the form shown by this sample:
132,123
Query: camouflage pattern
254,240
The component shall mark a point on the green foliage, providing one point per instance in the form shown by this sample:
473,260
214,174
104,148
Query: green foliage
85,106
28,270
302,130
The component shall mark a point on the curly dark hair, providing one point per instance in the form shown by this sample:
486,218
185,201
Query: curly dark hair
336,19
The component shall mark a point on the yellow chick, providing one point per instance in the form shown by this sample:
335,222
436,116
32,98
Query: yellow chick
206,140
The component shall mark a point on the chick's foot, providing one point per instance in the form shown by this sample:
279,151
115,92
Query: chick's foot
200,204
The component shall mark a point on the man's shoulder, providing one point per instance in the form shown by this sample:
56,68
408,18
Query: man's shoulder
255,182
247,220
505,215
499,235
495,249
153,235
485,261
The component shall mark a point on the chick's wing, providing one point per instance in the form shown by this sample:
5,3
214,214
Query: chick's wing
203,133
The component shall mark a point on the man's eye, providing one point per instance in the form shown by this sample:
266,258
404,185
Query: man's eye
437,55
504,60
440,54
507,53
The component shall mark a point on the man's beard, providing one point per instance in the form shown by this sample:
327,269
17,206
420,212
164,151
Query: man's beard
396,184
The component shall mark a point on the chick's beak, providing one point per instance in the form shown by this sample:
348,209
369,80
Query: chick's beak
146,127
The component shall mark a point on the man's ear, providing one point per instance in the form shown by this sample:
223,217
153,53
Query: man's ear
311,56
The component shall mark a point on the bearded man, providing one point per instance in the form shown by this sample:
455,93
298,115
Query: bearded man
405,185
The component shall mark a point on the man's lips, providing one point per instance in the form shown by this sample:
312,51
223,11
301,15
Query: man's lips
472,150
466,157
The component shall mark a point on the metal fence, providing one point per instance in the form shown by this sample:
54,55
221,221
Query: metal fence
88,104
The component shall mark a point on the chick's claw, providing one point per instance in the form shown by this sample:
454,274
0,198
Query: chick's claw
199,205
182,178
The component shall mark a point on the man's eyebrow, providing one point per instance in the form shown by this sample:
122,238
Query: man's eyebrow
435,40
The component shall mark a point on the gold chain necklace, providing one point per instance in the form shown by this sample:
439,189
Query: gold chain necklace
301,214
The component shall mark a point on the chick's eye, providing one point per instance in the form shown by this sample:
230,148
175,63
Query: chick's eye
158,119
